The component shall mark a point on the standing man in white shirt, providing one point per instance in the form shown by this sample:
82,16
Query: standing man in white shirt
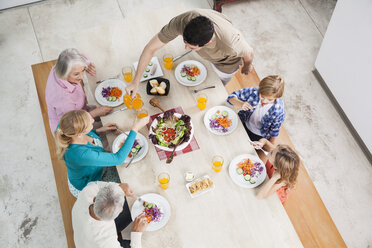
101,212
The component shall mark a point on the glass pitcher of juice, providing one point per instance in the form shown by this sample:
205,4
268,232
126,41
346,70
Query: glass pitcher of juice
128,100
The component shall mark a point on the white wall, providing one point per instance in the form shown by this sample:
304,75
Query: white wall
4,4
345,63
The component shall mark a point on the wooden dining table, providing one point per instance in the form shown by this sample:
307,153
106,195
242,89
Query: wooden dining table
228,216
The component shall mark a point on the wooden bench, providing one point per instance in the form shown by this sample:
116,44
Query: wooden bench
66,200
305,208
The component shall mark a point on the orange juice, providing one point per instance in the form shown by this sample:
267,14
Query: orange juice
128,100
163,179
164,183
168,62
202,103
128,77
137,103
217,162
127,72
201,100
142,114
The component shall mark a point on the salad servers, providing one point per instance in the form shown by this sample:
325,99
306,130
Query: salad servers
155,103
170,158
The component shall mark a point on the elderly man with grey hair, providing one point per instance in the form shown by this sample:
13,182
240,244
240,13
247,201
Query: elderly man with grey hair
101,213
64,91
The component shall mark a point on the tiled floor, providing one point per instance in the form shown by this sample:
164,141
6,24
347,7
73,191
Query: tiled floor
286,36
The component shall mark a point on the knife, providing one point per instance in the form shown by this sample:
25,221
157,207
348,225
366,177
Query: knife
122,109
180,56
130,161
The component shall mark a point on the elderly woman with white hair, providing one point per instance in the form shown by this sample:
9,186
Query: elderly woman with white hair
101,212
64,91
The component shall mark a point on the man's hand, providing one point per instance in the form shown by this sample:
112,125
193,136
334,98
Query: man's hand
140,223
257,145
127,190
132,89
91,69
247,68
246,106
110,127
100,111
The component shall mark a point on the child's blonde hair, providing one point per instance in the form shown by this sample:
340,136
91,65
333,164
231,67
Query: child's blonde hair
287,164
272,86
71,124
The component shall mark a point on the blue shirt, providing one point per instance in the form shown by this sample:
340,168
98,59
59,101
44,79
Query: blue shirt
85,162
271,121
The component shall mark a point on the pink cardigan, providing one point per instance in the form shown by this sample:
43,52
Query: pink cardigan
62,97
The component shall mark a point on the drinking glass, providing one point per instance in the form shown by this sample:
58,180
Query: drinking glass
164,180
168,61
217,162
127,73
142,113
201,101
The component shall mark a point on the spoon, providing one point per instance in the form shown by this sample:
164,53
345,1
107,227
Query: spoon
209,87
170,158
155,103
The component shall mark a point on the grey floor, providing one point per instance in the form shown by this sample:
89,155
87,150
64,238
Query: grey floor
286,36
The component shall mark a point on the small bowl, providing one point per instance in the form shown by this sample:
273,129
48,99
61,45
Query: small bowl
149,87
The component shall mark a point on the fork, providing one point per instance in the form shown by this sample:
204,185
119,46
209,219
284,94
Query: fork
209,87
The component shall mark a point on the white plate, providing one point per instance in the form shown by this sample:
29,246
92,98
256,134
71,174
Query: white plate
232,115
199,192
112,83
180,147
142,141
183,80
239,179
162,204
158,72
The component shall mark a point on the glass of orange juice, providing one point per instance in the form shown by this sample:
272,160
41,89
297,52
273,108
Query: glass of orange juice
127,73
201,101
142,113
128,100
217,162
164,180
168,61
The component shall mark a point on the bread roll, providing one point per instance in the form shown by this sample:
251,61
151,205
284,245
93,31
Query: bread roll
163,85
154,83
153,91
160,90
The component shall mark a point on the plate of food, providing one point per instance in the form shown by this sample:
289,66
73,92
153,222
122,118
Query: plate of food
139,149
169,128
221,120
247,171
110,92
200,186
190,73
156,208
152,70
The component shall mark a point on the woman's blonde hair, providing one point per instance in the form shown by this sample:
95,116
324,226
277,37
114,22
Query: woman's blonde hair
272,86
71,124
287,164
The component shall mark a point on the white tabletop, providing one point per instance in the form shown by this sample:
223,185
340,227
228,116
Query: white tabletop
229,216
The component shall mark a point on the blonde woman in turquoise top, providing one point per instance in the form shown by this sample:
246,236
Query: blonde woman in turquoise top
81,148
